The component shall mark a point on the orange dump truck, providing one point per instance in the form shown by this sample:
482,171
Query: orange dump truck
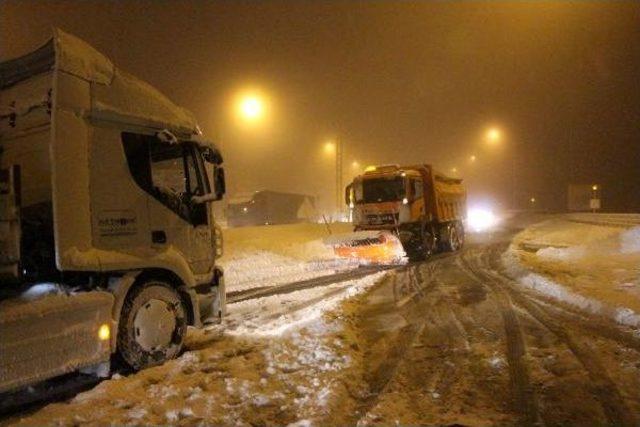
423,207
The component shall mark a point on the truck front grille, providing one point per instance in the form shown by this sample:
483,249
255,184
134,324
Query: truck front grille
382,219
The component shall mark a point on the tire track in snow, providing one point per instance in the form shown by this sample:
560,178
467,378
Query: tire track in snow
267,291
525,401
380,378
604,388
599,325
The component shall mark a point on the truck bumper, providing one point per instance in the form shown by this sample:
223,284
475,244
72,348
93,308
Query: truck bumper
405,232
52,334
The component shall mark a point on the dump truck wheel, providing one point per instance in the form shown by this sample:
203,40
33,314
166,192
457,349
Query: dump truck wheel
153,324
413,249
429,242
451,240
460,229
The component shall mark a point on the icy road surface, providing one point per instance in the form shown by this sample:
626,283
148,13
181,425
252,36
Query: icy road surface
461,339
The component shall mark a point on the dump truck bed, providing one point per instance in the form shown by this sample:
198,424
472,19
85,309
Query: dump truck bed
446,197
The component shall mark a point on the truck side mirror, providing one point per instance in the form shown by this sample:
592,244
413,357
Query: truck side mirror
219,184
219,188
347,194
211,155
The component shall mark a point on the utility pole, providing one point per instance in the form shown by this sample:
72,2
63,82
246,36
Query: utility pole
514,174
339,159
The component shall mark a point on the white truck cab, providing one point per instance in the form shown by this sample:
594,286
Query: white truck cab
107,237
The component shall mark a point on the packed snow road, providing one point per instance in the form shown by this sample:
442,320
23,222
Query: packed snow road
474,347
459,339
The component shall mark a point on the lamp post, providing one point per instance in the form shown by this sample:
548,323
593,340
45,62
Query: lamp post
335,147
595,199
494,136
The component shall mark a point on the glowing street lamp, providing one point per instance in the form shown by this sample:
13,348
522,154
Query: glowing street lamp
251,108
355,164
330,147
493,135
472,158
454,170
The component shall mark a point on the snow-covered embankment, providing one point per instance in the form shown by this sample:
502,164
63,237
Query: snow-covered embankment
272,255
591,266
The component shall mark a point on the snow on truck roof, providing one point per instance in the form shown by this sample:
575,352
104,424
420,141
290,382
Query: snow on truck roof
116,95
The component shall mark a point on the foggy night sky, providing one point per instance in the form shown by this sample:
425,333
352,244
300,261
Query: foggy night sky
396,82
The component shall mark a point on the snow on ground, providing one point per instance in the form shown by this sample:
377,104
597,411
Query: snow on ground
275,360
278,360
593,267
276,254
273,316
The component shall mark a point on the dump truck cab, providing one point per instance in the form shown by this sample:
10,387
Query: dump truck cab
105,187
422,206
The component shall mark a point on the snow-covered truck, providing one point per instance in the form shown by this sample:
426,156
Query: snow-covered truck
425,208
107,238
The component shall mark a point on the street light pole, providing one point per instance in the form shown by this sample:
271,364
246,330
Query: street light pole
514,171
339,158
494,136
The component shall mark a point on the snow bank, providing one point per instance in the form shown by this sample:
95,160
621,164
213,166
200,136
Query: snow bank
257,269
589,266
546,286
564,254
299,241
630,241
271,255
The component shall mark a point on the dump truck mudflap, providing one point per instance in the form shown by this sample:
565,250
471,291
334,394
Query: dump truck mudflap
47,332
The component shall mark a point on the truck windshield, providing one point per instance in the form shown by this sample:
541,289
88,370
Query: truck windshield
382,189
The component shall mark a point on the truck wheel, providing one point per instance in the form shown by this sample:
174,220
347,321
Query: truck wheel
460,232
428,242
153,324
451,239
413,249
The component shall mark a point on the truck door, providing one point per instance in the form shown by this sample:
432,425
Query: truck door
201,238
177,176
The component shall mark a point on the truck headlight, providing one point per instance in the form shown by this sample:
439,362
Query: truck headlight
104,332
480,220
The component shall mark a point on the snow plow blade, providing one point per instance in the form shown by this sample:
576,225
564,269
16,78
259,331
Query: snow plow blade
368,247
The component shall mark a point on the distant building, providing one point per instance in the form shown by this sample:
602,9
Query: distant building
579,197
270,207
